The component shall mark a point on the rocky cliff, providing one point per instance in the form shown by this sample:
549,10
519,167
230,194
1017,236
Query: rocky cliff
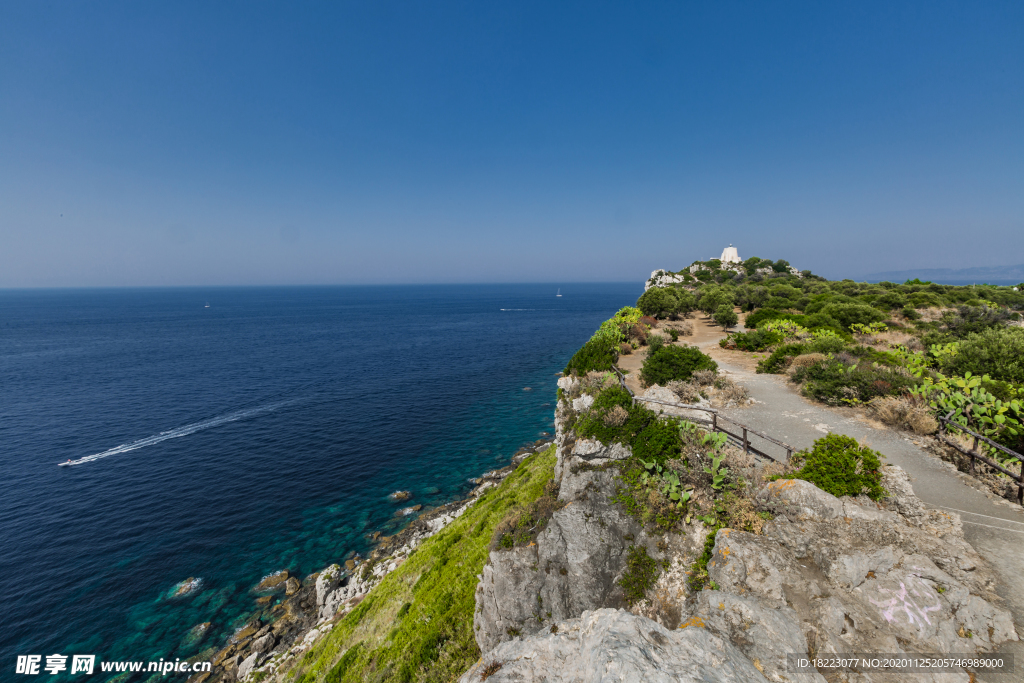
821,575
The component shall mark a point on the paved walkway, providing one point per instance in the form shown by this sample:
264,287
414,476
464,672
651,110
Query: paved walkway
993,526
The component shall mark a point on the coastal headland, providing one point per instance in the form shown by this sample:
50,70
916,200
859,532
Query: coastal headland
650,542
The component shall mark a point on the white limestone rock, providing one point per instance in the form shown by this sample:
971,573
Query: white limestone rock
583,403
326,582
800,501
247,665
610,645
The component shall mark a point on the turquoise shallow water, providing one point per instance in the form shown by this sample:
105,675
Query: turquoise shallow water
260,433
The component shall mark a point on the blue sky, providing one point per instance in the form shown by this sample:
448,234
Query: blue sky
206,143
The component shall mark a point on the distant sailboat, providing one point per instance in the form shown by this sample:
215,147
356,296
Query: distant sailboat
207,305
559,292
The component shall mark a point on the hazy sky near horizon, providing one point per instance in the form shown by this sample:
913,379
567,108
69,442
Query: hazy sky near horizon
209,143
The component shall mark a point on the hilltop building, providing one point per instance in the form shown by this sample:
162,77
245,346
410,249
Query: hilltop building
729,261
730,255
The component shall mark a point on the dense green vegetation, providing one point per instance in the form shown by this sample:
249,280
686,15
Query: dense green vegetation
839,465
947,347
614,418
418,623
602,349
670,363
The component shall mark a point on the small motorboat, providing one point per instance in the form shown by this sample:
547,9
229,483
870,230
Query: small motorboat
67,463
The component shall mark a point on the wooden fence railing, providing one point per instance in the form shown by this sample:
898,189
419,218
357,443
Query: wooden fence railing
740,438
975,454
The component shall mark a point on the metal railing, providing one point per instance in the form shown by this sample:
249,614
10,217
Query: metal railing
740,439
975,454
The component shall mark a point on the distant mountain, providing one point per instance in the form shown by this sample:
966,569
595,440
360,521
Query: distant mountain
992,275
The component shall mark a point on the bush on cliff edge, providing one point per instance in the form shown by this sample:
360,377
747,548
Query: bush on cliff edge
671,363
839,465
599,353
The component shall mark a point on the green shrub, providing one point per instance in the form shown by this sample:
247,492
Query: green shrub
786,291
776,363
757,340
822,321
658,441
594,424
597,354
839,465
997,352
649,437
640,574
924,300
674,363
850,314
659,302
674,333
968,320
755,318
826,344
655,342
836,383
779,303
726,316
891,301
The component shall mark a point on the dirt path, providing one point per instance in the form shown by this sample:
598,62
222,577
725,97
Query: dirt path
705,335
995,527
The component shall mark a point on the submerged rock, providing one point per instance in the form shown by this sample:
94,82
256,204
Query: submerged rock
273,582
189,585
195,634
399,496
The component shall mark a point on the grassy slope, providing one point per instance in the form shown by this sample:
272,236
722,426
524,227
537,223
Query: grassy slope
417,625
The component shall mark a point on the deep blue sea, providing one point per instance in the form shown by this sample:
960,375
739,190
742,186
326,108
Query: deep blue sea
260,433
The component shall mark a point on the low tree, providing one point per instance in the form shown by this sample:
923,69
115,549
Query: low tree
712,298
726,316
659,302
687,302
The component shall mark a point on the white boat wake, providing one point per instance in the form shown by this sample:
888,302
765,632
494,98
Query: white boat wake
178,432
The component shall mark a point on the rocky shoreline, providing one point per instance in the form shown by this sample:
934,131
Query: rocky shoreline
307,608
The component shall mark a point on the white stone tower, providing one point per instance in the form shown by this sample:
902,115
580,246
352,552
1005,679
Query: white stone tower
730,255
